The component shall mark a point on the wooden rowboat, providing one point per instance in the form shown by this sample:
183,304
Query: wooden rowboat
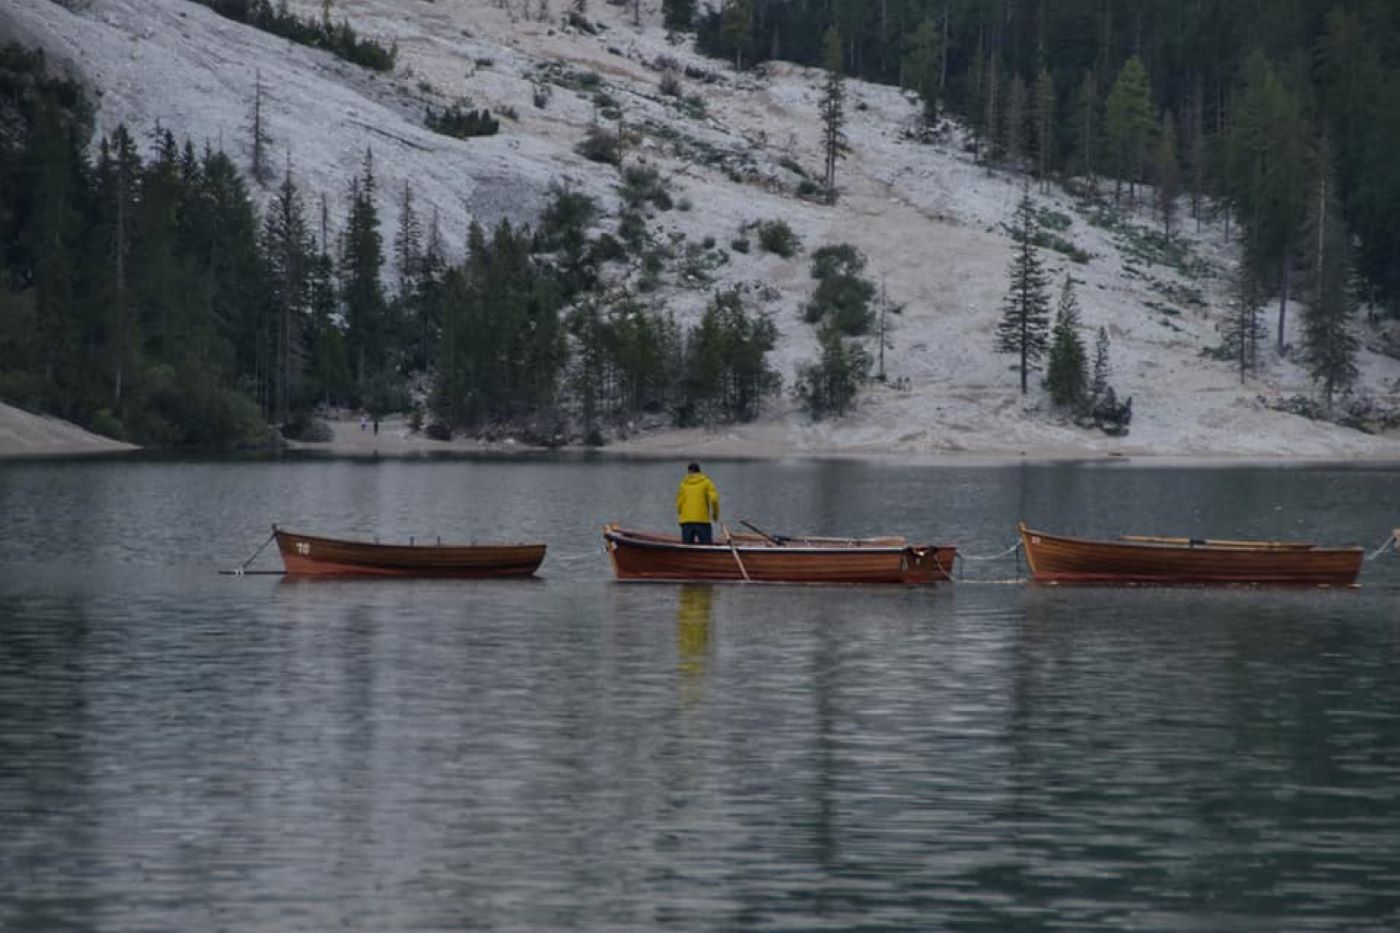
1145,559
639,555
308,555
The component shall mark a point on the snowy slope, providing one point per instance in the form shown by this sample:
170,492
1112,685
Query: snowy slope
928,218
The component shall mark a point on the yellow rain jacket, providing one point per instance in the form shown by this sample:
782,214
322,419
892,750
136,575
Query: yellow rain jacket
697,500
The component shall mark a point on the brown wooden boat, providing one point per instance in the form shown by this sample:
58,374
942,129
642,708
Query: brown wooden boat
308,555
640,555
1145,559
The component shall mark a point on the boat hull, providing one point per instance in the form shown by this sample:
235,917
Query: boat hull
311,556
638,556
1059,559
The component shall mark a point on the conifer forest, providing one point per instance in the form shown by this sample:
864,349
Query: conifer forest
145,295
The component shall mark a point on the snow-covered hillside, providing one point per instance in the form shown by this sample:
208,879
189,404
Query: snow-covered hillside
929,219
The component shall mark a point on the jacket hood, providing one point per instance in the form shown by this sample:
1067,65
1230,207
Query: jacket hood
695,479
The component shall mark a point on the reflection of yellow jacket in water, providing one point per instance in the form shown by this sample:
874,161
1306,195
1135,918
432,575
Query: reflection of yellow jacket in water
697,500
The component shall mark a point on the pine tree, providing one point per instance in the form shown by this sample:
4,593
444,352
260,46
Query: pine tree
1168,174
1025,315
408,249
361,291
1065,375
833,111
1329,345
260,170
1195,149
1129,123
1045,104
287,248
678,14
1266,169
919,67
975,105
1013,137
830,385
118,171
1098,384
1243,329
736,28
991,88
1086,128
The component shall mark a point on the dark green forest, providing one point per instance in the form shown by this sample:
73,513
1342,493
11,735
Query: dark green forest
144,296
1248,107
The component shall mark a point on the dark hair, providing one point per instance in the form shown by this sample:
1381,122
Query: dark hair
693,468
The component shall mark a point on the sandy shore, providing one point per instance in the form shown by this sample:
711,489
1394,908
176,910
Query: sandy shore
771,442
23,434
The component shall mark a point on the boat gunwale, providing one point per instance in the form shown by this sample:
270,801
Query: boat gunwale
618,536
411,547
1206,547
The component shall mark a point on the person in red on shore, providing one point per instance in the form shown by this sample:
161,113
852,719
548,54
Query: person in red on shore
697,505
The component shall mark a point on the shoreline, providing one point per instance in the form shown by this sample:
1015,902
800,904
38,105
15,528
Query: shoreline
27,436
396,441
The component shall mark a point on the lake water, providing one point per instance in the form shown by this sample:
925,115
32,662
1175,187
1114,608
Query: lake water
181,750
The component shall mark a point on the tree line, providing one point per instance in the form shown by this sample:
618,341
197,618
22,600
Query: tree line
1257,110
142,294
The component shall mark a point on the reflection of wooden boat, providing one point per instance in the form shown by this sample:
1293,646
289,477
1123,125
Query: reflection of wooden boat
639,555
1147,559
306,555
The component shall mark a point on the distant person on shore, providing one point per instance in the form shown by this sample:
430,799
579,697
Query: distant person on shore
364,422
697,505
376,425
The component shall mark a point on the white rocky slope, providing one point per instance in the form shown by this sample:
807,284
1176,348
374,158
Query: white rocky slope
926,216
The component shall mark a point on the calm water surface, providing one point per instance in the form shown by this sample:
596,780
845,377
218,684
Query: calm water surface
181,750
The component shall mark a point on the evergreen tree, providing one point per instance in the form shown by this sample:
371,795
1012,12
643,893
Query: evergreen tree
1129,123
1013,137
288,249
1168,174
1025,315
727,374
1243,329
118,172
736,29
260,169
1045,104
976,104
1086,128
991,89
361,291
920,66
830,385
407,304
1267,164
1098,384
841,300
678,14
1195,149
833,112
1329,345
1065,375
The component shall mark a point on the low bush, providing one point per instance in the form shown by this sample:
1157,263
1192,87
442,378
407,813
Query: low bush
775,236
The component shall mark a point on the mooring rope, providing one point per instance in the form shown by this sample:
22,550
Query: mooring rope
1014,549
244,566
1006,553
1385,545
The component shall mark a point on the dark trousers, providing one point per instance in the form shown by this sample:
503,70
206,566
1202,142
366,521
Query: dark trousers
696,533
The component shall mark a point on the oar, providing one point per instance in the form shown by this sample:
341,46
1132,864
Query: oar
779,540
735,551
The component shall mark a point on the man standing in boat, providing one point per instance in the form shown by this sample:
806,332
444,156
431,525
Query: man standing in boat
697,505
